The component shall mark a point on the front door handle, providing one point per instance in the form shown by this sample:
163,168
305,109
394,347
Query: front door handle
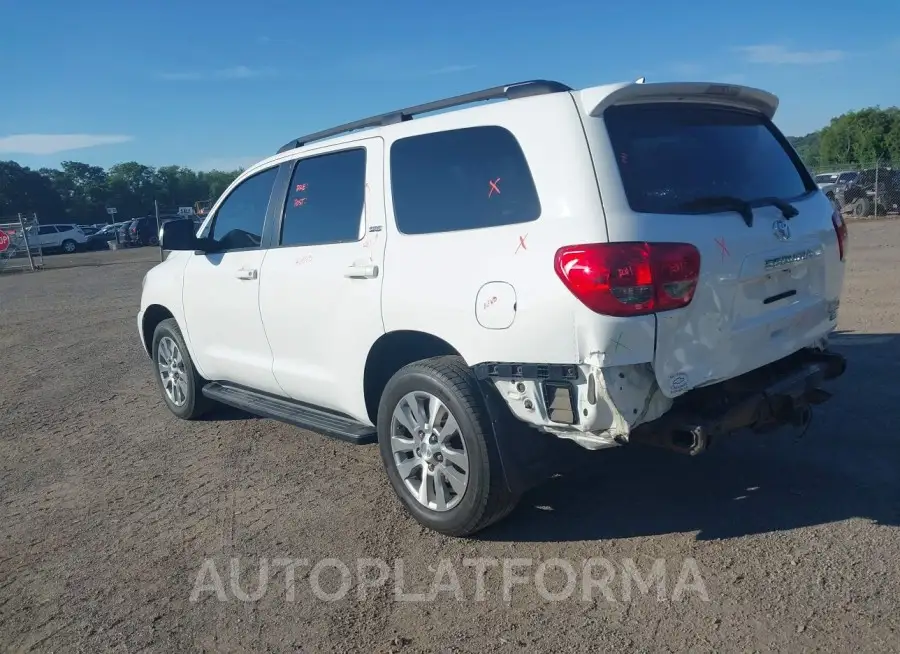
368,271
245,273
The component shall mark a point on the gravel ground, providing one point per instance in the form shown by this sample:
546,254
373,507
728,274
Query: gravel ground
110,508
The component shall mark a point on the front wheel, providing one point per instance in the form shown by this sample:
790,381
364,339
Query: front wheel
438,447
176,377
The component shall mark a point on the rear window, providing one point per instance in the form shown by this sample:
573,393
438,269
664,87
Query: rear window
671,154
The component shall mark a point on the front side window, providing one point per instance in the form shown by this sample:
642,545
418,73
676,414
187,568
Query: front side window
671,155
458,179
238,224
46,229
326,199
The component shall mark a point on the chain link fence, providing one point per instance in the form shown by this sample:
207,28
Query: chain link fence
869,190
20,243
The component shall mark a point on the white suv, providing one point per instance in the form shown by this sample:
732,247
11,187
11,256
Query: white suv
57,237
627,263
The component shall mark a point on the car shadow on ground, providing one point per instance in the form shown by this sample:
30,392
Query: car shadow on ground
225,413
846,466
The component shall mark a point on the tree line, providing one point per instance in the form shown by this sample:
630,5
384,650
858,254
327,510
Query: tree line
857,138
80,193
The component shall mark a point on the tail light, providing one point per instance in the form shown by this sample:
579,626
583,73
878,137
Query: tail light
630,279
840,228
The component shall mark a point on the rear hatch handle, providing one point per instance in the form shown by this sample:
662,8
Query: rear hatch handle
713,203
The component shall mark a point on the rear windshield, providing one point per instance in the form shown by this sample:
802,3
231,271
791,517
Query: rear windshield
670,154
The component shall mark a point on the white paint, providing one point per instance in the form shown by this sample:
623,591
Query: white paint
303,328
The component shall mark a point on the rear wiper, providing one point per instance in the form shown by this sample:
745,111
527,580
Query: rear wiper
787,209
743,207
714,203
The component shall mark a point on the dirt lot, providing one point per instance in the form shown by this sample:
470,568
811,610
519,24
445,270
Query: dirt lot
109,508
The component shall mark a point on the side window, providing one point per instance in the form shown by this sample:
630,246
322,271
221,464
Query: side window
325,200
239,221
46,229
64,228
461,179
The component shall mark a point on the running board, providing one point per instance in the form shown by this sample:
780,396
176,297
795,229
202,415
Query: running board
293,413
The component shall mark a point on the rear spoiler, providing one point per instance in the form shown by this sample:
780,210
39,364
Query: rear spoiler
596,99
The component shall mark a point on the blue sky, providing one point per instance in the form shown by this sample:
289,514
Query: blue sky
218,84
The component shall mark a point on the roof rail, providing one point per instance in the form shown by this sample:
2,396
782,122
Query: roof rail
509,91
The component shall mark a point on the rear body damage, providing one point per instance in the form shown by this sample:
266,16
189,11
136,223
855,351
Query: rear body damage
599,407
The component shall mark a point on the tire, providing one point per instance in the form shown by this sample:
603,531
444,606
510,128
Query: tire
485,498
69,246
862,207
194,404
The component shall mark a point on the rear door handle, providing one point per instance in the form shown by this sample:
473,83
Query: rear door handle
245,273
368,271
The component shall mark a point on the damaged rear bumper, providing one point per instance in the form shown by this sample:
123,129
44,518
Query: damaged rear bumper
599,407
779,394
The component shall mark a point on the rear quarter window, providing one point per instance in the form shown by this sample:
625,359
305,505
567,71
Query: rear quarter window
670,154
460,179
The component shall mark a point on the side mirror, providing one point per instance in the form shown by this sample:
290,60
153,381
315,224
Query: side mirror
179,235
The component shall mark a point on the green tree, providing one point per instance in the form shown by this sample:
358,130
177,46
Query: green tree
23,190
862,137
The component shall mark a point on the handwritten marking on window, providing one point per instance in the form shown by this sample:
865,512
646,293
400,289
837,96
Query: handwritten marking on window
494,187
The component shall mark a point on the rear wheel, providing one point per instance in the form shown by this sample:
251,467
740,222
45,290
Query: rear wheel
438,448
69,246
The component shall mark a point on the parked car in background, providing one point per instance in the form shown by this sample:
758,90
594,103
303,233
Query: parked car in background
872,191
99,239
829,183
143,231
58,237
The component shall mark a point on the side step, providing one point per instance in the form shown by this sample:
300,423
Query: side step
294,413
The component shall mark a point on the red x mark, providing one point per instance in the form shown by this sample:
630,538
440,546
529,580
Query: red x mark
301,187
299,201
494,187
721,243
521,244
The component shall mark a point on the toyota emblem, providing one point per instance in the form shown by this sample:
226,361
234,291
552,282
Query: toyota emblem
781,230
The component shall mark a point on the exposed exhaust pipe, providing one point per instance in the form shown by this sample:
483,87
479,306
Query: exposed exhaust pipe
685,439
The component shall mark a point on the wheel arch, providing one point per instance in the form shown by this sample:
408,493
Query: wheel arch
392,351
153,315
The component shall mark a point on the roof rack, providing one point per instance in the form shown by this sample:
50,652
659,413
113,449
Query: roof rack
509,91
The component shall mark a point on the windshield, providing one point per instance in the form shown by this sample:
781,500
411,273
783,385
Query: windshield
827,178
673,154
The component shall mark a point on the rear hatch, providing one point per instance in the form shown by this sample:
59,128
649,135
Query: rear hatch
684,164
